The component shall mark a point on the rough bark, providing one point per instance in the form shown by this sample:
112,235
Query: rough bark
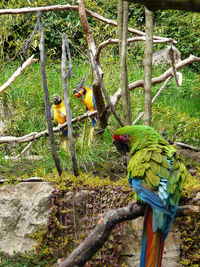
148,67
46,93
123,33
68,110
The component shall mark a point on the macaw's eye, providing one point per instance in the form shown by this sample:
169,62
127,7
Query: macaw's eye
126,138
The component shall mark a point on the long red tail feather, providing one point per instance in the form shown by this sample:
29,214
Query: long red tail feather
152,243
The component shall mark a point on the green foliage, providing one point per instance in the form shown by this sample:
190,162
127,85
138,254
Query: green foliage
183,27
26,260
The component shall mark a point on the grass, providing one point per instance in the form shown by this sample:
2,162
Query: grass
25,113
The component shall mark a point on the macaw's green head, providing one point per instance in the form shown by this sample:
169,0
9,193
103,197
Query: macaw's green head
133,138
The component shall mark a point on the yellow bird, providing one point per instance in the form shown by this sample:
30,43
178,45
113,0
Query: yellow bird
58,113
89,102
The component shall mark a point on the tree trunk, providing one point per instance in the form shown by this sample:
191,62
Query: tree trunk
148,68
122,36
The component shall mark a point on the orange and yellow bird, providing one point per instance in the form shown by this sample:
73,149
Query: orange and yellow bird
58,113
85,93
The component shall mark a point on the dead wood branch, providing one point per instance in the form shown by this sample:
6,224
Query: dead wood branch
104,226
70,7
165,75
154,99
100,105
36,135
31,179
67,106
23,151
130,40
17,73
157,80
46,98
187,146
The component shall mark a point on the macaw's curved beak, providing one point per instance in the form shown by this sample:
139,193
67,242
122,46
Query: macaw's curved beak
78,92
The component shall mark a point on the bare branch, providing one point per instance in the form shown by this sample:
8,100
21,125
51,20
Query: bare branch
187,146
46,93
31,179
154,99
37,9
130,40
157,80
67,106
17,73
36,135
104,226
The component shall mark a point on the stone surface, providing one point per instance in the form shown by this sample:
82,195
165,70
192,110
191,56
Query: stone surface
23,208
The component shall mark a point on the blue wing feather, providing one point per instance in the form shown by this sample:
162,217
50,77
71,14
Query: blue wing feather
148,196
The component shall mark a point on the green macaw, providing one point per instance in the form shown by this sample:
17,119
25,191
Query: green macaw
157,174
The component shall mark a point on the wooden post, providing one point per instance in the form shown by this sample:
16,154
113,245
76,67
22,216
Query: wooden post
46,93
68,110
148,68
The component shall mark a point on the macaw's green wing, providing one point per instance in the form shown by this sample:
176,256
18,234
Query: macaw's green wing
159,172
149,164
176,180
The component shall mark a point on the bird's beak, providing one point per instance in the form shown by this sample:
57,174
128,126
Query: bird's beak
78,93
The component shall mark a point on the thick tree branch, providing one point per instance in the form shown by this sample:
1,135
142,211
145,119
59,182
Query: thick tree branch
104,226
148,67
185,5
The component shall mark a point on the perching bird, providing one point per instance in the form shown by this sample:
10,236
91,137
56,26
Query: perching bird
157,174
89,102
58,113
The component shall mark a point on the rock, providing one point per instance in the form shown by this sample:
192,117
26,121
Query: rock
23,208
